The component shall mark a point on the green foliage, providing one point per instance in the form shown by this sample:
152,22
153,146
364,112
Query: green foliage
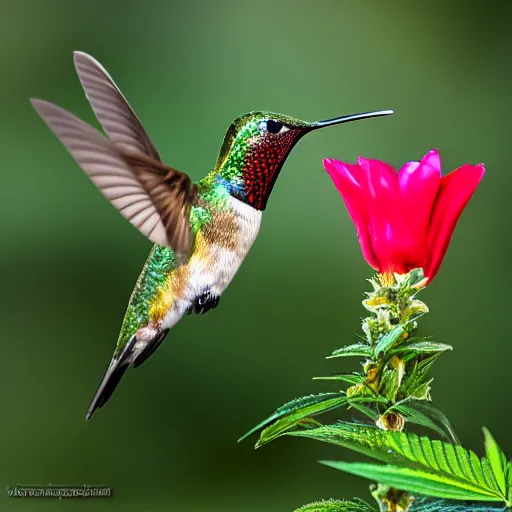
389,384
303,418
299,409
509,481
393,389
420,504
388,340
417,465
417,383
358,349
349,378
364,409
337,506
418,481
421,412
395,369
432,505
497,460
417,346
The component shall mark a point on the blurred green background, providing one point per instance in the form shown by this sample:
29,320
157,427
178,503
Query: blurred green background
167,439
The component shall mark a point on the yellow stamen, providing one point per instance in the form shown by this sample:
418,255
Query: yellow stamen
387,279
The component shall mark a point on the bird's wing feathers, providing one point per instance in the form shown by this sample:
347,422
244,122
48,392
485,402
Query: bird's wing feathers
114,113
156,199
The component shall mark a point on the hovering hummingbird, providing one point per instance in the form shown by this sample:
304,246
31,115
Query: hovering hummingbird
202,231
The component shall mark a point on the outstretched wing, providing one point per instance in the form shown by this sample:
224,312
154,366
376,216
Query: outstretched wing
155,198
114,113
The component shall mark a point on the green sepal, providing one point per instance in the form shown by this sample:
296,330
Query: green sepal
357,349
337,506
421,412
412,278
414,310
421,481
497,461
314,404
414,463
388,340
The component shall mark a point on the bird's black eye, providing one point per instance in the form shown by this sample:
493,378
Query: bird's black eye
274,126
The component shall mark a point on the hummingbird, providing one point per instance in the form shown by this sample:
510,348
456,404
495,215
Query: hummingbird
201,231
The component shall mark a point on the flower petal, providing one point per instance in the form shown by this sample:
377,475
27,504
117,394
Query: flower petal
347,179
419,184
382,204
380,176
454,193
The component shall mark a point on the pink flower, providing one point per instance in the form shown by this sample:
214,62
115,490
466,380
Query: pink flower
404,220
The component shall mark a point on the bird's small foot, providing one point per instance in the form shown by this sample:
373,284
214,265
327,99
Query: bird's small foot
204,303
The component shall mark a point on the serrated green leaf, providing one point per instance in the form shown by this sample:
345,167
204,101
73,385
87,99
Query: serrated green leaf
455,472
497,461
337,506
421,481
388,340
509,482
422,504
422,347
421,412
302,417
295,418
297,405
357,349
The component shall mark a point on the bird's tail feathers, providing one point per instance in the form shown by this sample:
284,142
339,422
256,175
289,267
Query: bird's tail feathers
112,377
130,356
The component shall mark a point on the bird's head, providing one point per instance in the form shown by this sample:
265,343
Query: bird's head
255,148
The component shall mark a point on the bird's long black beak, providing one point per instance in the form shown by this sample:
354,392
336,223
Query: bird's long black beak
347,119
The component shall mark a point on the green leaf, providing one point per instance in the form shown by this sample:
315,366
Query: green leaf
422,504
350,378
497,460
388,340
295,412
421,412
302,417
449,471
422,347
509,482
358,349
419,481
368,411
337,506
389,384
417,383
295,405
